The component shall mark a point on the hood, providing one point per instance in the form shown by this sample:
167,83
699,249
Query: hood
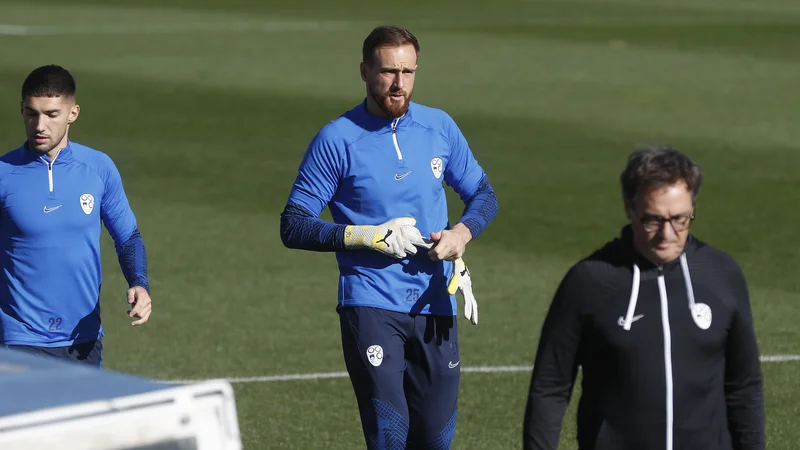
640,264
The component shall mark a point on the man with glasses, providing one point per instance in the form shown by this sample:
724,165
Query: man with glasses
660,324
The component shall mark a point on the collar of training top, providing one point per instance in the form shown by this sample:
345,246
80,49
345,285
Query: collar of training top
372,122
63,156
626,236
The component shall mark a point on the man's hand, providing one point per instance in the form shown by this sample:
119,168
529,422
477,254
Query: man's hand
141,304
397,238
461,281
450,244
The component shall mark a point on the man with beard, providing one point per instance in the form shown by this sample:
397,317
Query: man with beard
380,168
660,324
54,194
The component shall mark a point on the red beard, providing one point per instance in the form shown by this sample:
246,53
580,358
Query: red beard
391,107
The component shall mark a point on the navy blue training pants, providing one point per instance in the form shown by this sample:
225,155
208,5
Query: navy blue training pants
405,371
90,353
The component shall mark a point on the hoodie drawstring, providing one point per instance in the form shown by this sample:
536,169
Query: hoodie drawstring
634,298
635,291
688,280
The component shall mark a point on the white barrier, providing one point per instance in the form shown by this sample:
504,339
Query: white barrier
53,404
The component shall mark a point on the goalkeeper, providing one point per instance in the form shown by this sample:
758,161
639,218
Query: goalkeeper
380,169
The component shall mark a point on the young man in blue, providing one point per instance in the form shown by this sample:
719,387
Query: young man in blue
380,169
54,195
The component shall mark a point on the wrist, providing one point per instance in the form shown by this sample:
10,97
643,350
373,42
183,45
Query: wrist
141,285
358,236
463,231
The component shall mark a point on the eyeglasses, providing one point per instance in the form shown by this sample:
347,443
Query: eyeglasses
654,223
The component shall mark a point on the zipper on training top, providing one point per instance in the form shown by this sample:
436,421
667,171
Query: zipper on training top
662,290
394,138
50,175
49,170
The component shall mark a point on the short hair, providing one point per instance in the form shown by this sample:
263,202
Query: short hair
659,166
386,36
49,81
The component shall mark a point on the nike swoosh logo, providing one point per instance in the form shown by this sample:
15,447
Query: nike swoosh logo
453,366
49,210
397,176
621,321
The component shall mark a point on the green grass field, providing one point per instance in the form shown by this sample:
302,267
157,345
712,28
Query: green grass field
207,107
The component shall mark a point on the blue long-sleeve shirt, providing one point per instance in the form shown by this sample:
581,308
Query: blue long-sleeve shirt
368,170
50,225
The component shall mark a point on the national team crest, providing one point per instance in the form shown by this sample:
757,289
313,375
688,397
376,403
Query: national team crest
701,313
436,167
375,355
87,203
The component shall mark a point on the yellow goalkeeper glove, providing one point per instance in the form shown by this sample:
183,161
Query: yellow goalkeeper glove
461,281
396,238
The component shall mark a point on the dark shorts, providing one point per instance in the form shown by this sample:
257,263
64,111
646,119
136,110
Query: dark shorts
90,353
405,371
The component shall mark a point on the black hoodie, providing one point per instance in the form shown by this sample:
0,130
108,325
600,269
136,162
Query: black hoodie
670,364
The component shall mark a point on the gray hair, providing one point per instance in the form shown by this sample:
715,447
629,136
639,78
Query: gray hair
658,166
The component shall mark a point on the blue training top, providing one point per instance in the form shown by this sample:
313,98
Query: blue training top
50,226
368,170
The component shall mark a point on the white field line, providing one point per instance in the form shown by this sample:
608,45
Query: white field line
273,26
289,25
479,369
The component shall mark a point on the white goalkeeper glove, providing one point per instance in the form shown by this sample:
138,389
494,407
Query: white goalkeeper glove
461,281
397,238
